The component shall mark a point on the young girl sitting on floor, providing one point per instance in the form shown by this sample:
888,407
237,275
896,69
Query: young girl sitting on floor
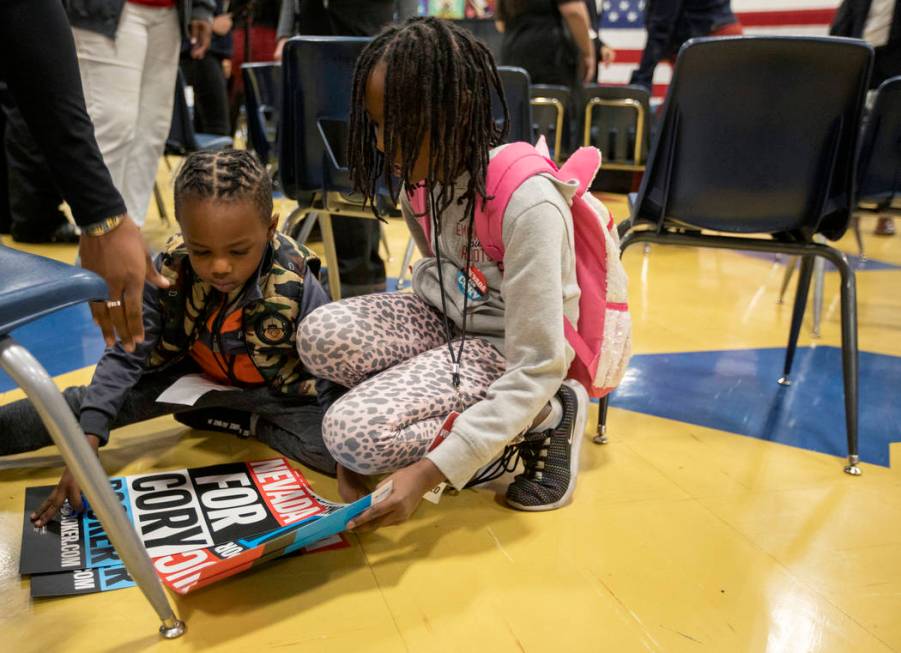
474,336
238,290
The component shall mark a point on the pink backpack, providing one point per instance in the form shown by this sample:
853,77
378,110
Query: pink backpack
602,340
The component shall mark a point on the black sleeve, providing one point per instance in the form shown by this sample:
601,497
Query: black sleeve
37,53
119,371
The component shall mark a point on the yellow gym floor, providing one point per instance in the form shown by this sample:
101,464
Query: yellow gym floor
681,537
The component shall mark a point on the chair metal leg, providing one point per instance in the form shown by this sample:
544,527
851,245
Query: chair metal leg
601,436
849,358
819,280
405,264
859,236
787,277
384,238
797,316
160,205
30,375
289,226
331,255
307,228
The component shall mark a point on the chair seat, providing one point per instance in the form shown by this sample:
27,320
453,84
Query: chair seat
34,286
212,141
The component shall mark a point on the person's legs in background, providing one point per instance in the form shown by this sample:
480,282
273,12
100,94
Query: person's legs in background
111,78
206,77
157,93
886,64
31,198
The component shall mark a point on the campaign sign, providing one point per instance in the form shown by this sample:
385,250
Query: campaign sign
173,512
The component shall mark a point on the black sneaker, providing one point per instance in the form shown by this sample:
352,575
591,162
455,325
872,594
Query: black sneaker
551,458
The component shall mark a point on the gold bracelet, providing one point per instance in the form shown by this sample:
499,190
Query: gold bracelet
104,226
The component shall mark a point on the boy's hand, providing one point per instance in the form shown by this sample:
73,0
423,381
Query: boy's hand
410,483
351,485
67,489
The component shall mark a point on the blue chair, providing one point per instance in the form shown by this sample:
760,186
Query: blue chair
262,102
515,82
759,136
879,181
317,82
34,286
182,137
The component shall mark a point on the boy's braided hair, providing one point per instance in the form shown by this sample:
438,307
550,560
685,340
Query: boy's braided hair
439,82
224,175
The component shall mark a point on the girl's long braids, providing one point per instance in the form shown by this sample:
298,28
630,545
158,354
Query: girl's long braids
439,82
225,175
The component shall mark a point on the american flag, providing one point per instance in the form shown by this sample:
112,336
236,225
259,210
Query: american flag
622,28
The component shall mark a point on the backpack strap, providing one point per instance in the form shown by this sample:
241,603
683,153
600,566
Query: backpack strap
509,169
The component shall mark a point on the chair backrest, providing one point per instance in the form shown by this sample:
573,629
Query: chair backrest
879,178
759,135
616,119
317,82
551,116
262,101
515,82
181,138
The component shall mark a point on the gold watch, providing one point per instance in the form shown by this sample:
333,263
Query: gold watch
104,226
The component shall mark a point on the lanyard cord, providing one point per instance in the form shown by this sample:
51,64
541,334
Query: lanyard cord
456,358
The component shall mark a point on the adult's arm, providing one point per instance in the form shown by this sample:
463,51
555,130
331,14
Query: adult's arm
37,53
575,13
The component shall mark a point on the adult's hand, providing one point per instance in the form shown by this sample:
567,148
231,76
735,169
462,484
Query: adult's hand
222,24
608,55
66,490
410,483
121,257
201,33
279,49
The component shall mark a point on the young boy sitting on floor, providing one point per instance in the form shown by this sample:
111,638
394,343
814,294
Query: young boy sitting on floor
238,291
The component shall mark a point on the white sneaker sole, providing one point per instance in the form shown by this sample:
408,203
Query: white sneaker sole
578,435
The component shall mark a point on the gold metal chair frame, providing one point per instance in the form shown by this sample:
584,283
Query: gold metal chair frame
624,103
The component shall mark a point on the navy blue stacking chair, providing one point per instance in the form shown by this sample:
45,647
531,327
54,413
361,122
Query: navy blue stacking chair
262,103
759,137
317,83
183,139
515,82
879,178
32,287
617,120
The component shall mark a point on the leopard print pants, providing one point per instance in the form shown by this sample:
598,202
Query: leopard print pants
390,349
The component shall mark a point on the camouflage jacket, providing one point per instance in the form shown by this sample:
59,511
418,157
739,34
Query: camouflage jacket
272,308
283,292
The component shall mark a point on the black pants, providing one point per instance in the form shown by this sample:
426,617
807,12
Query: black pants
293,427
32,197
205,76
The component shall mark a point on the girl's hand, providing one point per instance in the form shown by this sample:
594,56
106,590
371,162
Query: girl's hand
410,483
351,485
66,490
